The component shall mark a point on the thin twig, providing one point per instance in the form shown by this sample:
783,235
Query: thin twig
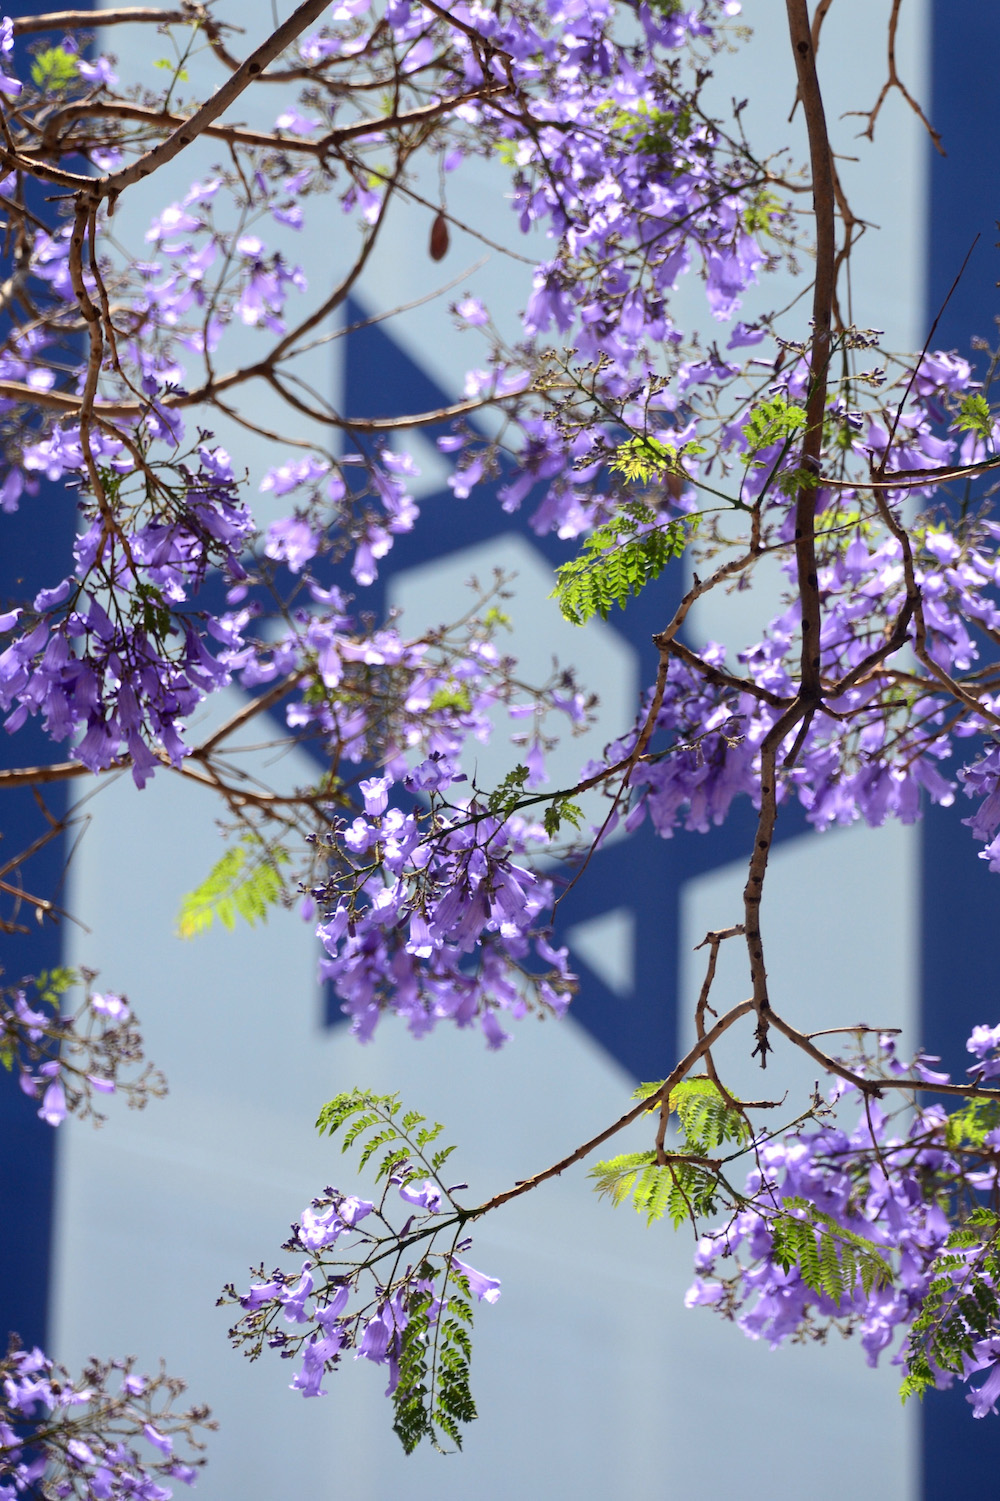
650,1103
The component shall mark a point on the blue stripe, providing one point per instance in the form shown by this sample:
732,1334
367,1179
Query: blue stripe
960,907
35,550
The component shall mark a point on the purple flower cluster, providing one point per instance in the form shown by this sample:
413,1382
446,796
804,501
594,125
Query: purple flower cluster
632,207
893,1192
437,920
106,654
882,738
316,1301
111,1435
68,1060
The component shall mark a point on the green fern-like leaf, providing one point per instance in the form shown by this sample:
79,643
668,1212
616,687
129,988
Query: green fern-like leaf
618,560
974,415
651,131
970,1125
455,696
652,1193
562,809
451,1402
774,420
760,210
395,1143
918,1379
52,984
829,1257
643,459
676,1188
706,1118
616,1177
504,799
433,1398
961,1304
246,882
412,1419
53,68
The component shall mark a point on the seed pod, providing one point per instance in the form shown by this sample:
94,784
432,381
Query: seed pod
439,238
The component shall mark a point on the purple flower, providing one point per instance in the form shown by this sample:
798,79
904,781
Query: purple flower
375,791
294,1298
433,775
744,334
295,123
259,1294
291,541
701,1292
53,1107
320,1227
984,1398
99,71
427,1197
161,1441
374,1344
314,1355
486,1289
470,310
173,220
352,1210
114,1007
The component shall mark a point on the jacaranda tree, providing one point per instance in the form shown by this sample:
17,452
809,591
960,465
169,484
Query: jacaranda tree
864,473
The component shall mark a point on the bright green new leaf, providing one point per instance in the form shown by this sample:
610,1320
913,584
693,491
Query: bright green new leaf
975,416
774,420
53,68
618,560
246,882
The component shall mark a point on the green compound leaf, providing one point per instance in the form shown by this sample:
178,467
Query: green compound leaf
830,1258
775,420
53,68
433,1397
651,131
558,811
683,1190
706,1119
52,984
505,798
974,415
961,1304
643,1091
760,211
409,1401
454,696
969,1126
180,74
790,481
616,1177
451,1395
644,459
618,560
372,1122
246,883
